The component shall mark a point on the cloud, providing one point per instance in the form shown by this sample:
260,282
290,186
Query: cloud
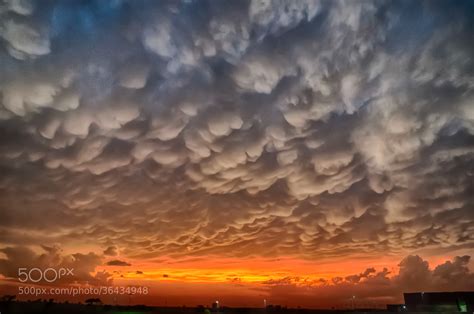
456,271
117,262
83,266
24,40
375,286
23,7
111,251
308,129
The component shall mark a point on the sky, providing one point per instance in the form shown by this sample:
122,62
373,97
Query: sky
299,152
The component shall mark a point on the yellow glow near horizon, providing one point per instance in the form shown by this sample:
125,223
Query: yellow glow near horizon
206,275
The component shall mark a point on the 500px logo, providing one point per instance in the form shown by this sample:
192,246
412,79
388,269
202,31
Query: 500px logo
48,274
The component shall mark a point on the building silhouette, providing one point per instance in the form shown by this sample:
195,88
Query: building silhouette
461,301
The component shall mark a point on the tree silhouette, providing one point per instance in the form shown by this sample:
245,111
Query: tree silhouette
93,301
8,298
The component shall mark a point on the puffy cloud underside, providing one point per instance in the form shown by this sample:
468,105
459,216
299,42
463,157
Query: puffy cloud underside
308,128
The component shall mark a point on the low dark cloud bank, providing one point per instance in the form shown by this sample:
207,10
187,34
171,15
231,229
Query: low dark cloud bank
306,128
378,287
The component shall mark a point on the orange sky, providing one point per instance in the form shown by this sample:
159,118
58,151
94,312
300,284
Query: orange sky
248,270
243,282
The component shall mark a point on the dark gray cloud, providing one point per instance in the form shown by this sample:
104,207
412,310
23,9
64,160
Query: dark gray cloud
373,287
117,262
308,128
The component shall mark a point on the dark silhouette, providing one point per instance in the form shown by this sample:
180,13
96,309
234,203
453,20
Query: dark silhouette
8,298
93,301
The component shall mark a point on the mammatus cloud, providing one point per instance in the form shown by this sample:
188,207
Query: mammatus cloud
309,128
